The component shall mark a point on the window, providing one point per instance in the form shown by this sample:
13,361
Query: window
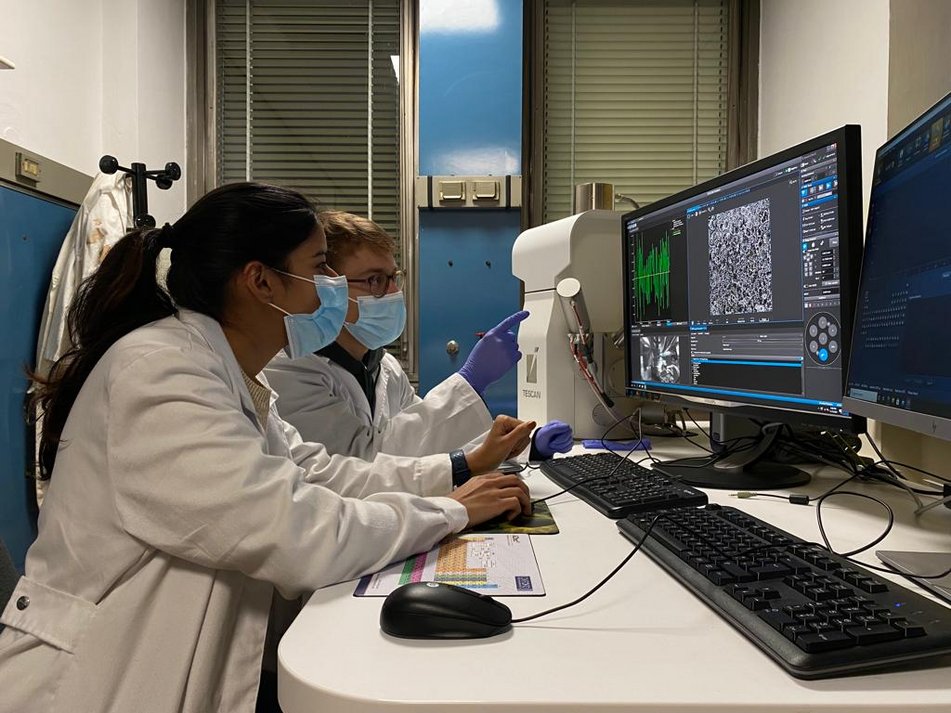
634,93
307,96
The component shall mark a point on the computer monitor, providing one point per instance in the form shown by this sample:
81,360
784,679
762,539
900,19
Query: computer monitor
900,370
739,295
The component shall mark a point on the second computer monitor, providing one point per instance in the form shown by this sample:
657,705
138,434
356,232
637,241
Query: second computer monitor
901,365
739,292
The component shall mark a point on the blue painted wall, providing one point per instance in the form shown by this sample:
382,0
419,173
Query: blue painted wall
470,123
31,233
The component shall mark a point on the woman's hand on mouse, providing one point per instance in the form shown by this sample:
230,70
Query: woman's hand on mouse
506,439
488,496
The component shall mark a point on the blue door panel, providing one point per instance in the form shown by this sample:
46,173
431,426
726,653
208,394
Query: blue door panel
467,286
31,233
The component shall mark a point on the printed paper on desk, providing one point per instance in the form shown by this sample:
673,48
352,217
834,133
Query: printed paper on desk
499,565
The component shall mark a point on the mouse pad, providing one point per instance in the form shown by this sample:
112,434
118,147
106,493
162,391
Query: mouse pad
540,522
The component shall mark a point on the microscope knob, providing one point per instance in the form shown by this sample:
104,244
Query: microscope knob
452,347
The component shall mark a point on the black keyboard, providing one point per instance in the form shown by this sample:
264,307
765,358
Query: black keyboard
630,488
815,613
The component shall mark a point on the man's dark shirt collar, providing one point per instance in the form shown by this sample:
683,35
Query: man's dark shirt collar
365,371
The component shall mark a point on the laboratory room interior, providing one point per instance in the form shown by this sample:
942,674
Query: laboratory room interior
504,355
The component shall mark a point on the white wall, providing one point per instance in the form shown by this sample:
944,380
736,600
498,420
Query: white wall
96,77
823,63
52,102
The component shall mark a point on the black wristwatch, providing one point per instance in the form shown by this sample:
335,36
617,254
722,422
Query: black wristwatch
460,467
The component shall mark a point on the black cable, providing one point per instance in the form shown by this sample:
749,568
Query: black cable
699,428
716,457
919,470
818,449
600,584
880,477
640,437
859,550
607,475
527,465
881,456
726,444
615,425
763,495
796,498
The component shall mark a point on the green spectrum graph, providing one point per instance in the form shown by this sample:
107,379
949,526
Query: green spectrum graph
652,277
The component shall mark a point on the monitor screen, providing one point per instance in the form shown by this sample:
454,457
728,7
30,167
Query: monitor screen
900,369
739,292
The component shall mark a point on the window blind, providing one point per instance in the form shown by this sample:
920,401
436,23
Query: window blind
308,97
635,94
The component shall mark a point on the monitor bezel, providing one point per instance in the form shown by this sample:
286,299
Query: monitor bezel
918,421
848,154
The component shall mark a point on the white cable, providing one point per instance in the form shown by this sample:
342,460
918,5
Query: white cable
940,501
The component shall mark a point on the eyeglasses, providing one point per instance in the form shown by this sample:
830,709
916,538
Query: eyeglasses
378,284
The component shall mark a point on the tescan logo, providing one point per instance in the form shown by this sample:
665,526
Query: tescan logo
531,368
531,394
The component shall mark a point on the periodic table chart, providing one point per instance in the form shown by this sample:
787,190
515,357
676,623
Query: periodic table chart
499,565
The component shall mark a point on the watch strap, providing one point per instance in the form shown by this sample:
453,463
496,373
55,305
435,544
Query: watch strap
460,467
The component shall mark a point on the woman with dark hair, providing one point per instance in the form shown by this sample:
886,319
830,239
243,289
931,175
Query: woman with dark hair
179,500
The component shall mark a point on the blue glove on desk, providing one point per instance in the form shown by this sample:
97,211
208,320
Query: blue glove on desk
493,355
553,437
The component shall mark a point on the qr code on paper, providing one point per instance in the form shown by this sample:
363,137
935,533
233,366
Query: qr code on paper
523,584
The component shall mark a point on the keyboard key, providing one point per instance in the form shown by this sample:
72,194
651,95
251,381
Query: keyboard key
909,629
771,570
777,619
873,634
825,641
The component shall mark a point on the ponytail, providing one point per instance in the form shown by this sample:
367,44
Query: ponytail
120,296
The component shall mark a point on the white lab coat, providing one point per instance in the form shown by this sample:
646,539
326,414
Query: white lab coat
170,513
326,403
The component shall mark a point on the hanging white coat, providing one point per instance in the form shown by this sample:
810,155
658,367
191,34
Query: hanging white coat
104,216
325,402
171,513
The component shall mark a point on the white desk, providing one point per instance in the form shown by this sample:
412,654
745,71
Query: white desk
641,643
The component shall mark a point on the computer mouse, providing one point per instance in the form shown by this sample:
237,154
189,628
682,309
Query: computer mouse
432,610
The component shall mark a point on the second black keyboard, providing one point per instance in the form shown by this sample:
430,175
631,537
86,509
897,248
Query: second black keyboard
618,487
815,613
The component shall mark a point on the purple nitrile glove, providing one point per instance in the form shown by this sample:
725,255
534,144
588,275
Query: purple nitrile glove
553,437
493,355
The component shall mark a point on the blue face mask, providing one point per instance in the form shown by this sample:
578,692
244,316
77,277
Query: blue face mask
381,320
308,333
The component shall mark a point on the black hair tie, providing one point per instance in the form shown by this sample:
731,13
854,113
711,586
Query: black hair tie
168,237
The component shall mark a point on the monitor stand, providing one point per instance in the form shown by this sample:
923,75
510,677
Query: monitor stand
745,470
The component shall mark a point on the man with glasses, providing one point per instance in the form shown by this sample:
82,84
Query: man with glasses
355,398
